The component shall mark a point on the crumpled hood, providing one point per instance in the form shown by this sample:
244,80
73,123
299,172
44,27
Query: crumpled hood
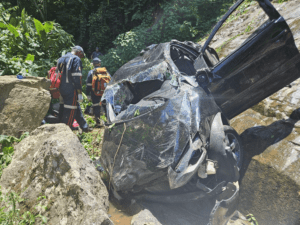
155,126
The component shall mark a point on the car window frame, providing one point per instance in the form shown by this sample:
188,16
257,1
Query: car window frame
267,7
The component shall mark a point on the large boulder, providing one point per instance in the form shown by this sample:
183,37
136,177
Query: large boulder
52,162
270,178
23,104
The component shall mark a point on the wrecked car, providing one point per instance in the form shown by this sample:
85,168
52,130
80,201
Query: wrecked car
168,109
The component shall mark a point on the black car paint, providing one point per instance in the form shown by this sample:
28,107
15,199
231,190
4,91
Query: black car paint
242,79
267,61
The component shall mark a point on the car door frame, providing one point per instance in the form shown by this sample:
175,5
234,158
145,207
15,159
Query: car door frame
232,106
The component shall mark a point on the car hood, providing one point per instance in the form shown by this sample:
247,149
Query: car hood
156,112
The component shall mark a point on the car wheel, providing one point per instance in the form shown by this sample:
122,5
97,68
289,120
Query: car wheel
234,143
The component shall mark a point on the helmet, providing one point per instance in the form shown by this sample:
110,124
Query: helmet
96,60
77,48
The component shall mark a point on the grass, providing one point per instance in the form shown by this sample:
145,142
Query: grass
91,142
10,213
7,149
241,10
226,42
282,1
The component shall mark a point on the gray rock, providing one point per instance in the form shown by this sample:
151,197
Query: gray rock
23,104
52,162
144,217
270,177
233,33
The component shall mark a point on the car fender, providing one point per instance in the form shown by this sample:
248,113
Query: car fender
224,159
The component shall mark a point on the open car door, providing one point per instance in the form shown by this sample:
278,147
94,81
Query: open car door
266,62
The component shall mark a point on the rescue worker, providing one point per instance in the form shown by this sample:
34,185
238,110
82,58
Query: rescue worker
96,53
70,66
97,106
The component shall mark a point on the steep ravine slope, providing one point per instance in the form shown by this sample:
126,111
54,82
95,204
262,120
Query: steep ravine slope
270,179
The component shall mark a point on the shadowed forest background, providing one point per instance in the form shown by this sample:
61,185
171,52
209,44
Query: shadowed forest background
120,28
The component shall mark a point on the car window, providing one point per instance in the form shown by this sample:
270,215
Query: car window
243,24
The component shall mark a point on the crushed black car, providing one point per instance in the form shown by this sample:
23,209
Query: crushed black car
169,110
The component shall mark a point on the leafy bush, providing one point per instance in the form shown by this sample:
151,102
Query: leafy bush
29,46
115,17
91,142
177,19
87,66
9,212
7,149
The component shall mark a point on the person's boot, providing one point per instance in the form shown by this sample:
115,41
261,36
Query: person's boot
74,128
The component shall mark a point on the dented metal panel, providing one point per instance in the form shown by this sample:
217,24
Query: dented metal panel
168,106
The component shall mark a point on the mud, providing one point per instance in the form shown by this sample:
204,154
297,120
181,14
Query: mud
118,214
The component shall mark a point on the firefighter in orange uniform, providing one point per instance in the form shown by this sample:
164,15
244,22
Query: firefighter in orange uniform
96,82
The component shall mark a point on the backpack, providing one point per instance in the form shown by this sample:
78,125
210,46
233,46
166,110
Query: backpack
100,80
55,78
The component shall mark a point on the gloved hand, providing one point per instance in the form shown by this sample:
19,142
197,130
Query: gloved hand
89,97
80,98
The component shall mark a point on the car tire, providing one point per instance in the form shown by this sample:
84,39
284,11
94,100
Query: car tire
233,141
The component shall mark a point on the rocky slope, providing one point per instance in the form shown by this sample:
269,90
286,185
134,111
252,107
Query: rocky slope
270,181
52,162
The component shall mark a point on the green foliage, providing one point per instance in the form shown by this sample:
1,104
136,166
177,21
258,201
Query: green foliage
87,66
226,42
128,45
137,113
120,28
242,9
7,149
115,17
177,19
248,28
90,121
29,46
103,117
111,126
91,142
10,213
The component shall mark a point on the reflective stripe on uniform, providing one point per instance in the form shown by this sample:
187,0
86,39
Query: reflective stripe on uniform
76,74
61,100
70,107
67,70
71,117
96,104
89,84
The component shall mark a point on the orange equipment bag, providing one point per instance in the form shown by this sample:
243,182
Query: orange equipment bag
100,80
55,78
